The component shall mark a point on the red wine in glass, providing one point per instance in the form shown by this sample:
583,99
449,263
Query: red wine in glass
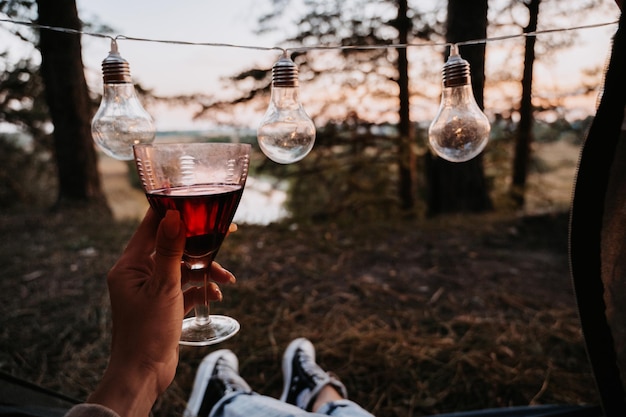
207,211
204,182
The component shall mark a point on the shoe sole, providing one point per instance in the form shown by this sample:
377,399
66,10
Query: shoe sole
205,370
288,361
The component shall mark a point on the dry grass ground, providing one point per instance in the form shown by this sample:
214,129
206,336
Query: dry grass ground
417,318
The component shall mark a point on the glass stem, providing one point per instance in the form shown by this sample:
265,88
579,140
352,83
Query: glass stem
202,311
202,314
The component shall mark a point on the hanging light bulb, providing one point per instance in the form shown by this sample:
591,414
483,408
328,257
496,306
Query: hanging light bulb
121,121
460,130
286,133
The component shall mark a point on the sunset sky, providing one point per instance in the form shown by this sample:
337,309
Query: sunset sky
179,69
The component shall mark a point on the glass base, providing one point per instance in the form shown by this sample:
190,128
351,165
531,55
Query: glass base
215,330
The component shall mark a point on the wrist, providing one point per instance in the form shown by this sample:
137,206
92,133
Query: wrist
128,392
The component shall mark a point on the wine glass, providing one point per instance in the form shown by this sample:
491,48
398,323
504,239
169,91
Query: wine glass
204,182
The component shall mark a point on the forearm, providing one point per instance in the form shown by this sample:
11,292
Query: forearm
91,410
129,393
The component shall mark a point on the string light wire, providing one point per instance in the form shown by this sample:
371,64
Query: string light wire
311,47
472,134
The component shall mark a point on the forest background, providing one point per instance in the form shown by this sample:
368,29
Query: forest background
375,261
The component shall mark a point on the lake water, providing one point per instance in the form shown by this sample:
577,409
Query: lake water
263,200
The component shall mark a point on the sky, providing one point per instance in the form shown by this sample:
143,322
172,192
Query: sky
177,68
169,69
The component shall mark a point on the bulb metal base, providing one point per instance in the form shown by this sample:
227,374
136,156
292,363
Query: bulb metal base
115,69
456,70
285,73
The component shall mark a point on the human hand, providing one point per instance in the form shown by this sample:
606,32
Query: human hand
148,306
194,283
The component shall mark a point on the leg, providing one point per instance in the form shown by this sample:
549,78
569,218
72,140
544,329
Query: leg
255,405
217,379
219,391
310,388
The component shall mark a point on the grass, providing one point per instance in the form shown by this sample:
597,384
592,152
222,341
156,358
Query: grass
416,318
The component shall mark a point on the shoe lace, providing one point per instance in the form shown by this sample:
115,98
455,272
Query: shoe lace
226,377
310,368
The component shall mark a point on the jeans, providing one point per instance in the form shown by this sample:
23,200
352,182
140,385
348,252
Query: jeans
251,404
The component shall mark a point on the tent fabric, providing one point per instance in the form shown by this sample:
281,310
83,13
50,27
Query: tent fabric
598,236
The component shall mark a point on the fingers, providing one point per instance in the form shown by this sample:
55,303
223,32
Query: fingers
195,295
138,251
218,274
221,275
141,244
194,288
170,242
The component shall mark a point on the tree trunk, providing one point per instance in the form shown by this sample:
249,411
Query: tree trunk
406,155
461,187
524,131
67,97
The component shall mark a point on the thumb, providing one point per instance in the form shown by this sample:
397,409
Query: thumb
170,243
